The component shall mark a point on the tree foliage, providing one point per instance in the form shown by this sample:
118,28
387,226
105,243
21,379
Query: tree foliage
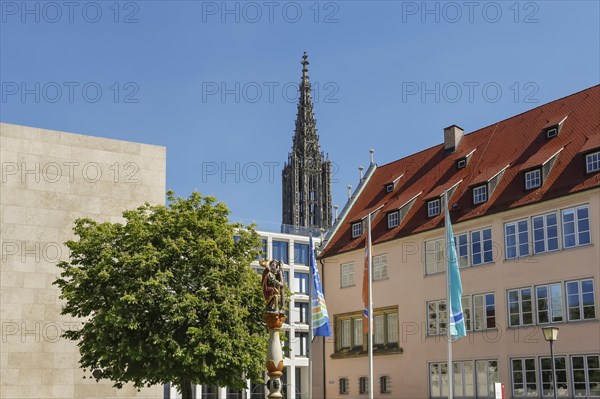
168,296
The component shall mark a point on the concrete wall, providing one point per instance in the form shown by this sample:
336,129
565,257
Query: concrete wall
409,288
48,179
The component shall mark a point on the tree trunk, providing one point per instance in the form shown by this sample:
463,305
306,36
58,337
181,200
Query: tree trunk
186,390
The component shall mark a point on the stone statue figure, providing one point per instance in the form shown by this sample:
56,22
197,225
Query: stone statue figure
272,286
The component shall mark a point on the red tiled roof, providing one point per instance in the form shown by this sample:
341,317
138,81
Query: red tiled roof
541,157
515,141
592,143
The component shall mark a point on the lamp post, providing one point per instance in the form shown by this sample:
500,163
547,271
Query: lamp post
551,335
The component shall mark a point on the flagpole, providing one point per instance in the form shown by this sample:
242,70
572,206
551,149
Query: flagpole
370,307
448,298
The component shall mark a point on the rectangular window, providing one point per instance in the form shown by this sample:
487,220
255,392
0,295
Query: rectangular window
438,380
462,249
301,254
533,179
435,256
520,307
524,377
301,282
485,311
280,251
343,386
592,162
345,333
586,375
552,132
389,188
380,270
356,229
301,310
545,233
576,226
466,305
363,385
580,300
379,332
463,379
358,332
480,194
486,372
392,327
481,246
436,317
393,219
384,384
517,239
549,300
433,208
263,250
560,366
347,274
301,343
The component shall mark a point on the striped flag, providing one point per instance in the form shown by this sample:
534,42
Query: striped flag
365,290
457,321
320,317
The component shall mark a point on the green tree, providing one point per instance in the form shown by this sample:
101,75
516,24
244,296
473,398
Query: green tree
168,296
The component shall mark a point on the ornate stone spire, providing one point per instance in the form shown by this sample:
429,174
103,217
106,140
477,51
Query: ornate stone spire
306,177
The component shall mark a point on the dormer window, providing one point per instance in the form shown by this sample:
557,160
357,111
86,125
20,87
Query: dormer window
461,163
533,179
552,132
592,162
393,219
433,207
389,188
356,229
480,194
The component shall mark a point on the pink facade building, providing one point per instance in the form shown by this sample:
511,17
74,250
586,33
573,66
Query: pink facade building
524,199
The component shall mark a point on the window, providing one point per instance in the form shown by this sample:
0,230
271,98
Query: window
524,377
280,251
356,229
586,375
393,219
347,274
389,188
363,385
480,194
300,343
301,282
481,246
580,300
344,386
484,310
461,163
435,256
463,379
436,317
379,332
433,207
517,239
549,303
560,366
358,332
301,309
486,372
520,307
380,270
392,327
533,179
384,384
345,333
576,226
552,132
462,249
592,162
545,233
301,254
438,380
263,250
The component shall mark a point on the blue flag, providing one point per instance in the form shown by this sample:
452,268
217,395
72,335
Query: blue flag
320,318
457,320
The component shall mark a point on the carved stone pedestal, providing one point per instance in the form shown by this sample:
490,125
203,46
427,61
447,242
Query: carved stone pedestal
274,354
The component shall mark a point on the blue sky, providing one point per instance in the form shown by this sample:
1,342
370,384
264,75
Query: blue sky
215,82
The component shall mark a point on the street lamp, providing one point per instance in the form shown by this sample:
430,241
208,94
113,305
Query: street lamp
551,335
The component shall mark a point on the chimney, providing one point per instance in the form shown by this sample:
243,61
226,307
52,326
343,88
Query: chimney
452,136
